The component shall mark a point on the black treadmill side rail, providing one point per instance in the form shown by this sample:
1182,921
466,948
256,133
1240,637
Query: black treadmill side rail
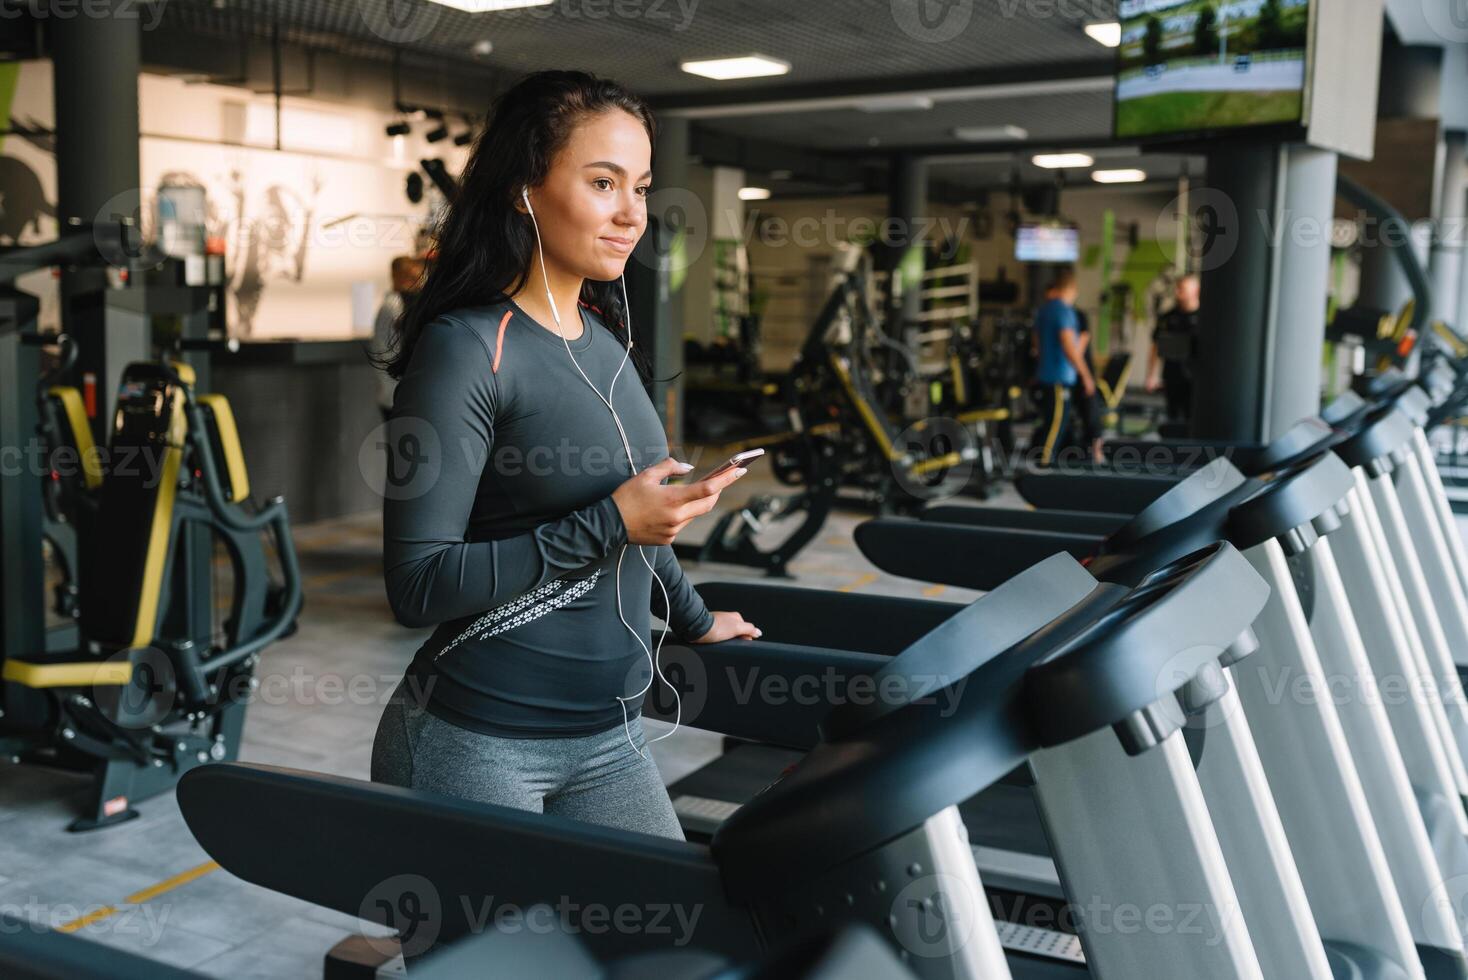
884,779
308,830
963,555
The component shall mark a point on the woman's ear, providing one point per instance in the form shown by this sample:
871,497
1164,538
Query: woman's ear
522,202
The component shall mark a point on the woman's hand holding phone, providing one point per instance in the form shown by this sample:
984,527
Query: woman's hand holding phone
655,514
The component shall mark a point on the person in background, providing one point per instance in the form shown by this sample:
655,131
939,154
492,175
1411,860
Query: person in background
1062,364
407,273
1172,343
1090,412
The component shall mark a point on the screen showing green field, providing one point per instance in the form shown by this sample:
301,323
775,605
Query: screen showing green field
1188,66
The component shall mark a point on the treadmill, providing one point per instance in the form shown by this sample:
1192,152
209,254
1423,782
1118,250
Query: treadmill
1365,785
1086,681
29,951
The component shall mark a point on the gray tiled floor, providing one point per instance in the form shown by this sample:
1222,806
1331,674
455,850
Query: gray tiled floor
304,718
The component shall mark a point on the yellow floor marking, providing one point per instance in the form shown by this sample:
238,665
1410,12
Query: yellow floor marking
138,898
934,590
866,579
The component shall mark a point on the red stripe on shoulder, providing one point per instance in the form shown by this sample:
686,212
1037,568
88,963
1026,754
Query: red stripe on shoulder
499,342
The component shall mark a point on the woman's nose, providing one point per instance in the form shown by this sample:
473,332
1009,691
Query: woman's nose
631,210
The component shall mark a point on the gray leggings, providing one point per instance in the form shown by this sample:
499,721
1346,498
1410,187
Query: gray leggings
597,778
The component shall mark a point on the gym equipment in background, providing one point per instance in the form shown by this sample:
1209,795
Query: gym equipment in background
157,680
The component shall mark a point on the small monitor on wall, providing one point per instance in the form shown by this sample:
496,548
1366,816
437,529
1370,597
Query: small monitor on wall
1046,243
1195,67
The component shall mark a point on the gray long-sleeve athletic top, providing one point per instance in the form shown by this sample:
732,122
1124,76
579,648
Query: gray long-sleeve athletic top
499,526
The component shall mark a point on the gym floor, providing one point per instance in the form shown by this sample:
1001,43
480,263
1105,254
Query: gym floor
147,887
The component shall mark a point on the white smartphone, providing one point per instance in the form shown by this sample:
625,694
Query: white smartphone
737,460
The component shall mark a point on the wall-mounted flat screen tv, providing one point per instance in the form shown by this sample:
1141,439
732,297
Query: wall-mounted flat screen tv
1192,67
1046,243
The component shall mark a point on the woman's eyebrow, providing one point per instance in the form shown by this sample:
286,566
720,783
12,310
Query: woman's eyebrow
614,168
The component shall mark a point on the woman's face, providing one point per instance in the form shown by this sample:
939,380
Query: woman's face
592,205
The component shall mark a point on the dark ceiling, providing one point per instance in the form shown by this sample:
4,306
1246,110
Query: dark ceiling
982,63
641,42
1058,118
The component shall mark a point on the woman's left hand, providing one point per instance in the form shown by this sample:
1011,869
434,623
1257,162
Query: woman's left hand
727,626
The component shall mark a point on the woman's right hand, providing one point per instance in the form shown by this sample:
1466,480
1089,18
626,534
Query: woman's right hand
654,514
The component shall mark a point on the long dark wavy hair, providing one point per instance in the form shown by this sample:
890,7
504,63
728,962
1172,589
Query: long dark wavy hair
485,245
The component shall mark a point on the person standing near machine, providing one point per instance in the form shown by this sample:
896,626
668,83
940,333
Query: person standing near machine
407,273
1090,412
1168,365
1061,365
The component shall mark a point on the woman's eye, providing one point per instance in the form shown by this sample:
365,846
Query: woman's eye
603,183
644,190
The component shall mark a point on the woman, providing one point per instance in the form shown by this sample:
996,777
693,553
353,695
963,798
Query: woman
512,522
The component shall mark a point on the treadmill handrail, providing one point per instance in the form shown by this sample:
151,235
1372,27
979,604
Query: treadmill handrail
733,693
340,843
884,779
811,617
963,555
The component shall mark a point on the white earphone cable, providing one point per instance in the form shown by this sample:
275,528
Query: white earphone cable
653,654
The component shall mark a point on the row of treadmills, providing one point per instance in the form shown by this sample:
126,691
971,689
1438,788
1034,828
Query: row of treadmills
1205,722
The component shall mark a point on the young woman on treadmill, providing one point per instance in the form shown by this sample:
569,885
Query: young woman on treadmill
517,528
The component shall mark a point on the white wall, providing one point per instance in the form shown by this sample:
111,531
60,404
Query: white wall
301,225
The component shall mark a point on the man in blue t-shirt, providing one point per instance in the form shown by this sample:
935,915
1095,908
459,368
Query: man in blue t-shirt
1062,364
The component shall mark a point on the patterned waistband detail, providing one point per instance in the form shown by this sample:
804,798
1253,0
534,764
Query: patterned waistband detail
524,609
